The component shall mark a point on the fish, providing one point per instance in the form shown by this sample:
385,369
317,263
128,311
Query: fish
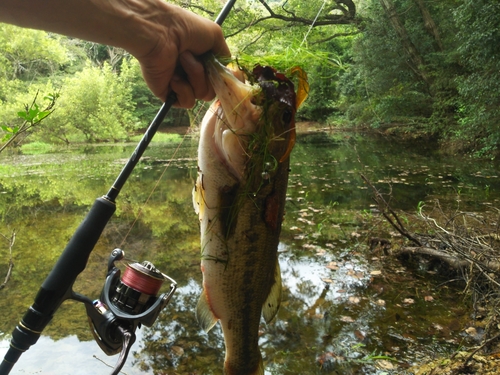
246,138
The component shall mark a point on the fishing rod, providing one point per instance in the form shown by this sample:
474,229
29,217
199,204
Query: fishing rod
127,301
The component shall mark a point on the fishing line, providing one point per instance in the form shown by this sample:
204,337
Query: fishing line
312,24
158,181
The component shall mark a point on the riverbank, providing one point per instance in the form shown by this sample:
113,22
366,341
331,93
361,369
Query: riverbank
457,247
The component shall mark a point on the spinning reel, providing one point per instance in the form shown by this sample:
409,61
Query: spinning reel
125,304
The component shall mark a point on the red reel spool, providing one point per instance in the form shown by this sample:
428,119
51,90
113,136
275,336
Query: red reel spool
143,277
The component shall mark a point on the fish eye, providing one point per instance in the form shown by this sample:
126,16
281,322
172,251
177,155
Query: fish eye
287,116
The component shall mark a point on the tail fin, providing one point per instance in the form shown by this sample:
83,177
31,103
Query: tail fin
231,371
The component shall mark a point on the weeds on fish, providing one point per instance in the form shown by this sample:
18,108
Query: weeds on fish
262,159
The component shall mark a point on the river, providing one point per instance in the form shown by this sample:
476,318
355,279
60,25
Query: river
345,310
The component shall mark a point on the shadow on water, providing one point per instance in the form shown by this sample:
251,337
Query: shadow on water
345,309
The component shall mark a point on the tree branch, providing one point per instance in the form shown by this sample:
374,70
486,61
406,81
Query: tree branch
347,16
11,242
389,213
335,36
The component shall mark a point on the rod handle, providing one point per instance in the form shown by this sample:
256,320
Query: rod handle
57,287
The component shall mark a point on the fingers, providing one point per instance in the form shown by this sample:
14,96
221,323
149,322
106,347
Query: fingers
188,36
197,76
183,91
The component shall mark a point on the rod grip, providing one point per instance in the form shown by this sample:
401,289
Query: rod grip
57,287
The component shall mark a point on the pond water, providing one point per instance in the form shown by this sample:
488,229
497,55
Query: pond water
345,310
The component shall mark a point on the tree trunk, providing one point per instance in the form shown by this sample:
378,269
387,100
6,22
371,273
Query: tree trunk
430,25
416,61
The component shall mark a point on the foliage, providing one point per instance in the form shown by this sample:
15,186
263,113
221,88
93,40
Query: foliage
27,54
94,102
31,116
387,91
36,148
425,68
479,88
146,104
441,81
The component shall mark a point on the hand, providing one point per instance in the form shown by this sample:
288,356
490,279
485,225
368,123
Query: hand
174,61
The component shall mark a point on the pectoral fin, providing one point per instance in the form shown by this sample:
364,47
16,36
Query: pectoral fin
273,301
198,197
204,315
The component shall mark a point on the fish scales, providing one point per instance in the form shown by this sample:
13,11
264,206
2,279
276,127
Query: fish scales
243,165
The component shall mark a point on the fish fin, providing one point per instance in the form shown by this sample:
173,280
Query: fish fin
199,197
204,315
196,200
273,301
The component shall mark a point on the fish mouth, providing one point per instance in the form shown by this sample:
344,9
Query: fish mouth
262,109
237,116
236,97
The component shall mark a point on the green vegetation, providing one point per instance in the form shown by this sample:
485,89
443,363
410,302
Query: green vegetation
432,68
419,68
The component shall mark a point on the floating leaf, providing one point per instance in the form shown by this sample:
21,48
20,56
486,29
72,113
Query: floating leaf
333,266
385,364
439,327
346,319
177,350
471,331
354,300
359,335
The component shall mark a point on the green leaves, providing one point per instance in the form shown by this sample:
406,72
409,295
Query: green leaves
95,103
27,53
31,116
9,132
34,114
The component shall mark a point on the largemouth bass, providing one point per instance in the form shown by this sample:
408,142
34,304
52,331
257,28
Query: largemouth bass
243,163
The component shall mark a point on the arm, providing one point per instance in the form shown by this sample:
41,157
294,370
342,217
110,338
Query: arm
160,35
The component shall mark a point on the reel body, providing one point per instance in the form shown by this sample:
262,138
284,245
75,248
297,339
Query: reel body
126,303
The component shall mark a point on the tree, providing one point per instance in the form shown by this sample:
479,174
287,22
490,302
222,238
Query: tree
478,22
415,60
405,67
313,35
26,53
96,103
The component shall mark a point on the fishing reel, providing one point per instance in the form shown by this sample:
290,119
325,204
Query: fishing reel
125,304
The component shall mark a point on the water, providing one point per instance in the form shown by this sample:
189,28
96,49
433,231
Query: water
345,310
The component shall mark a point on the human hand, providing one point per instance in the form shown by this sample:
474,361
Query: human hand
173,63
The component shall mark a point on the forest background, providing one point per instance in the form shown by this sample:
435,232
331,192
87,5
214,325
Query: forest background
414,68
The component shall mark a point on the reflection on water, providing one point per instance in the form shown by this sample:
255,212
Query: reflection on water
344,308
68,355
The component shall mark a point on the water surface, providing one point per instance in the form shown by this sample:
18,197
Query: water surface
345,310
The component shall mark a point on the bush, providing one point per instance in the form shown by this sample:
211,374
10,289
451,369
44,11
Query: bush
95,103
